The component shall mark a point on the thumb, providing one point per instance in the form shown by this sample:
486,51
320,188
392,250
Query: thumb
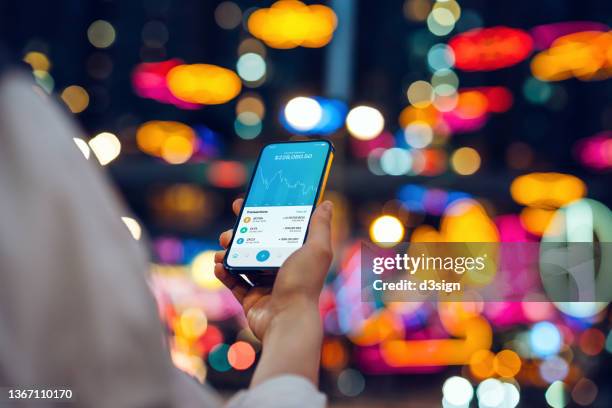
319,233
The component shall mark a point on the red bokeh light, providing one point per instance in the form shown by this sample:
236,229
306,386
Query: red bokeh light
488,49
499,98
226,174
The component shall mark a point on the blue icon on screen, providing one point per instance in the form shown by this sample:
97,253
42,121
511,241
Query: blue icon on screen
240,240
262,255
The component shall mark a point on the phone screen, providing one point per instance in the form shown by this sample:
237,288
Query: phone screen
279,203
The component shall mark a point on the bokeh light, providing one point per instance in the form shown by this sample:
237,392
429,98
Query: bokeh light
395,161
465,161
106,147
76,98
203,271
133,226
170,140
101,34
582,55
556,395
303,113
241,355
228,15
490,48
291,23
365,122
251,67
386,229
351,382
193,323
554,189
203,83
217,358
420,94
545,339
457,391
38,61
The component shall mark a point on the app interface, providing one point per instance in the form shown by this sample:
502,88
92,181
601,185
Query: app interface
278,206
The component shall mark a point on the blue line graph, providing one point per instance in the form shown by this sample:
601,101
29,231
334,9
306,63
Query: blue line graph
288,174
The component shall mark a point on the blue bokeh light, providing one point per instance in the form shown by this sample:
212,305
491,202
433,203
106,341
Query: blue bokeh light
545,339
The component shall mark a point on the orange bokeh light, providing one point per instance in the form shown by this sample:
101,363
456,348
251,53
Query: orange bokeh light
291,23
334,355
241,355
507,363
547,189
481,364
585,55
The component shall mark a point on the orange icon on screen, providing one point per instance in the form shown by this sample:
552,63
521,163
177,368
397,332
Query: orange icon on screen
247,220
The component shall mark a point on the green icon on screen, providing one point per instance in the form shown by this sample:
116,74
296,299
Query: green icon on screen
244,229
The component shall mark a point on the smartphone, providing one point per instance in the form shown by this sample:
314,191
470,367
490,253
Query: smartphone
286,185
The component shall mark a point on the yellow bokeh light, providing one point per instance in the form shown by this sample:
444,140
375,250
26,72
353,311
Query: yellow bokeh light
203,270
451,6
170,140
177,150
101,34
106,147
425,233
291,23
38,61
203,83
76,98
386,229
467,221
193,323
547,189
465,161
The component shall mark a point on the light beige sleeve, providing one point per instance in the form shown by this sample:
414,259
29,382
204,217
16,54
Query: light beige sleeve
75,310
285,391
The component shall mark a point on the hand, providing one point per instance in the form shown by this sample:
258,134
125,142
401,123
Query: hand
298,283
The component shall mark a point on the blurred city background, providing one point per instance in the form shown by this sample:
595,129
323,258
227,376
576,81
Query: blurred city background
456,120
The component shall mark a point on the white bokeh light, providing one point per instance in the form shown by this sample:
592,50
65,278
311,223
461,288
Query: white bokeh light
106,147
303,113
365,122
457,391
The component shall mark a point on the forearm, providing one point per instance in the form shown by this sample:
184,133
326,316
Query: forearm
292,344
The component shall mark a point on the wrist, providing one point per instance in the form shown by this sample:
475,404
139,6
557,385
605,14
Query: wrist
296,314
